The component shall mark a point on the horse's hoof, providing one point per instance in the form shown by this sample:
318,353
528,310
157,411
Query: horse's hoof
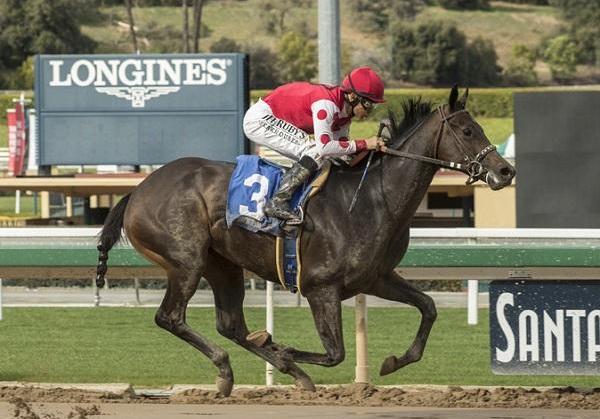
224,386
389,365
305,384
259,338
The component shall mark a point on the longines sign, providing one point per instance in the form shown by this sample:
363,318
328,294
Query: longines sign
139,80
140,109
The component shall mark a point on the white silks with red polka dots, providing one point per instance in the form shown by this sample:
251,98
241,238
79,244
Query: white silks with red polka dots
284,120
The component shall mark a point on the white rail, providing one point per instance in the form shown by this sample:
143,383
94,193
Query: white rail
510,233
416,233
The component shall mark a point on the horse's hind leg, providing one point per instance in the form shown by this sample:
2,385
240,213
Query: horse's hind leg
326,309
227,282
393,287
171,316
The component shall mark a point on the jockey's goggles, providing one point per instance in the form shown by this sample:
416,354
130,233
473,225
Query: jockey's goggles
367,104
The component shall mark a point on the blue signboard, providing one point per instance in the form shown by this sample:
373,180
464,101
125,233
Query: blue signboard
140,109
545,327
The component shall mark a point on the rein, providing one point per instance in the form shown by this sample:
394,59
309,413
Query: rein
471,167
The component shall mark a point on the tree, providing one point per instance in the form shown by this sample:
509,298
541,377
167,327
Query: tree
464,4
583,16
225,44
404,52
23,77
264,63
185,29
297,57
86,11
131,26
379,15
437,53
372,15
521,67
406,9
561,55
536,2
197,29
264,67
36,26
15,36
198,6
481,67
429,54
275,13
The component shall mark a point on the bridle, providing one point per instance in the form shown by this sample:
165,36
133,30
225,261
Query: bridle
472,166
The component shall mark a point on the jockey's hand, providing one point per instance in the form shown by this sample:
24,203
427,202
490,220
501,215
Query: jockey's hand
374,143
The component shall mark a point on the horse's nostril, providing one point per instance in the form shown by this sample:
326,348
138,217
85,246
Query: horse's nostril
506,171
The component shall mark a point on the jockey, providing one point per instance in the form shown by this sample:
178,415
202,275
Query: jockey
286,117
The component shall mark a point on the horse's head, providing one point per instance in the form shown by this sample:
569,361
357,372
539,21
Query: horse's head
461,139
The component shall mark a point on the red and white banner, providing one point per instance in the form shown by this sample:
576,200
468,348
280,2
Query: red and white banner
16,140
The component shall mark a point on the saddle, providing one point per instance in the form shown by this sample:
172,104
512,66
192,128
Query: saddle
252,184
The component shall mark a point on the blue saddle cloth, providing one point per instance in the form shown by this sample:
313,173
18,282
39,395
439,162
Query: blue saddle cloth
252,184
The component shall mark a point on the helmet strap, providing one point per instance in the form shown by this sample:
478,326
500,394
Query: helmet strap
352,103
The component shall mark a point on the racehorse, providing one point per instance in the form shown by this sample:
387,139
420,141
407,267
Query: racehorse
176,219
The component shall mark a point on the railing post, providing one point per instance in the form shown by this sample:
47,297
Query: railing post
0,298
472,301
17,201
362,361
136,284
96,293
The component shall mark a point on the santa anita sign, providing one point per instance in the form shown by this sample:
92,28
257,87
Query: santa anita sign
545,327
140,109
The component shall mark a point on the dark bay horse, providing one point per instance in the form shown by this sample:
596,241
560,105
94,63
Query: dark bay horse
176,219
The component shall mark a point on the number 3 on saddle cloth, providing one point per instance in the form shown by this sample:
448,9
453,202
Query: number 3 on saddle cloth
252,184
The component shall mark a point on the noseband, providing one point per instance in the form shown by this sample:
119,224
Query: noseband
472,166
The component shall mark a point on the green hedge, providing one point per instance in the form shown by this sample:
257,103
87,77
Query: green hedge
490,103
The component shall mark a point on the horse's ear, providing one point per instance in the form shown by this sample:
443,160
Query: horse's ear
462,102
453,97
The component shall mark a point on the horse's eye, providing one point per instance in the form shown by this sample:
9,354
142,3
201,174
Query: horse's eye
467,132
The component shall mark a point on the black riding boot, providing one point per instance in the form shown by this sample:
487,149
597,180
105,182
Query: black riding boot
279,205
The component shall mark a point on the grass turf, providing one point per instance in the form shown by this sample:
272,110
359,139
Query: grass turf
124,345
3,135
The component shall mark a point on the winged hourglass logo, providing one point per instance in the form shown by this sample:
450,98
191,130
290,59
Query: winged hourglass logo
138,95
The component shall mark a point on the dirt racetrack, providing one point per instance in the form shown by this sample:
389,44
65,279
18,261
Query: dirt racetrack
350,395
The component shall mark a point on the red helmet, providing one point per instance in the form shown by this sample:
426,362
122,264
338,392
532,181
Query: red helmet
364,82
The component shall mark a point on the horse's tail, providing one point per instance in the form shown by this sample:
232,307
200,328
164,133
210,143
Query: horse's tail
109,236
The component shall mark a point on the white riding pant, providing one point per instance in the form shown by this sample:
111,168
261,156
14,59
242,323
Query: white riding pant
264,128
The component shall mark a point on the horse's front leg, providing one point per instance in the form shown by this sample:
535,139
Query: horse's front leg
326,309
393,287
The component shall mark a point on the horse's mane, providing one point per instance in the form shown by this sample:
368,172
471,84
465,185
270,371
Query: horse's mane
414,110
